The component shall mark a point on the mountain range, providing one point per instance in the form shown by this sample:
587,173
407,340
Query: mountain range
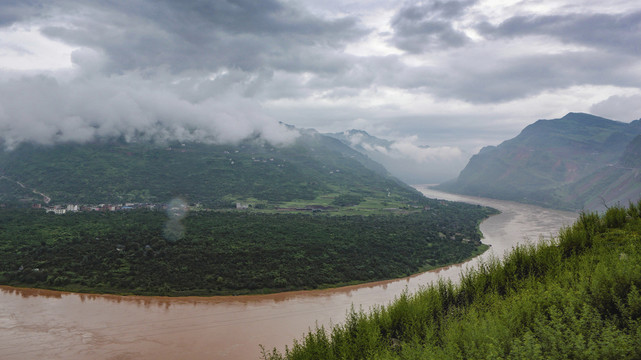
117,171
579,161
413,164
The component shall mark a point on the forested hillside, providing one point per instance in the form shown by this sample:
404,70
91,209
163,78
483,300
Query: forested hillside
115,171
575,297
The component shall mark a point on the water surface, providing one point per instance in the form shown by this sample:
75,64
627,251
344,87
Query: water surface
41,324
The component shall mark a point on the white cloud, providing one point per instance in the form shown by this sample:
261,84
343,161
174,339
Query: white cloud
47,110
618,107
480,71
408,148
27,49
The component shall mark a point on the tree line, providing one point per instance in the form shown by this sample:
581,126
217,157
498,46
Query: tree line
227,252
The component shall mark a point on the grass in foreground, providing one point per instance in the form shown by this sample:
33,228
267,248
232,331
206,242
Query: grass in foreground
574,297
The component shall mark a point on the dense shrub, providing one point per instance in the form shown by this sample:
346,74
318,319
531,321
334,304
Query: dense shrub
575,297
227,252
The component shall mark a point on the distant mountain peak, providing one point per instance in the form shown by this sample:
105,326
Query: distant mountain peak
571,162
585,118
579,116
359,138
356,131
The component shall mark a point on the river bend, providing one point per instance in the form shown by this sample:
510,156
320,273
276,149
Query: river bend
40,324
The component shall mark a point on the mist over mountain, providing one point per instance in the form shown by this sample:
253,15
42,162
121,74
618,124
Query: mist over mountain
86,109
412,163
114,170
579,161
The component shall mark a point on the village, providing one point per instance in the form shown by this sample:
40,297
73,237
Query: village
71,208
61,209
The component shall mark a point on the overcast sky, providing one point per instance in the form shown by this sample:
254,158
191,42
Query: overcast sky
452,74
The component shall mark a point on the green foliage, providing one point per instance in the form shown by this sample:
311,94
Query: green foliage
615,217
227,252
214,175
12,194
347,200
575,297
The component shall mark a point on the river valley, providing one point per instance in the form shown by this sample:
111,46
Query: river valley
40,324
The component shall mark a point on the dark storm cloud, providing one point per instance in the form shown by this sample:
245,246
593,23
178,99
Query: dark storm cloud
505,79
222,70
493,76
491,79
17,10
620,33
202,35
187,70
421,26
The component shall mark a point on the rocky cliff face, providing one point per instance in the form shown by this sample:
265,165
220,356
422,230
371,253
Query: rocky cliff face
617,183
580,161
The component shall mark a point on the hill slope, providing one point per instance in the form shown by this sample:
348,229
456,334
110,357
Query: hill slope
216,175
553,163
616,183
577,297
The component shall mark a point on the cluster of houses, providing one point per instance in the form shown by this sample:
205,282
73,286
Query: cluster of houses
63,209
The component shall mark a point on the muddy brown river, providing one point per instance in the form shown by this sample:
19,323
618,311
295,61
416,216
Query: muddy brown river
40,324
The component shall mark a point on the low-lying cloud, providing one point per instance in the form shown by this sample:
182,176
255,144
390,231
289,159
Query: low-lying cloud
412,163
48,109
421,154
164,70
622,108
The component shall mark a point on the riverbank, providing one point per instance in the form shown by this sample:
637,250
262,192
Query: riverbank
78,326
576,296
228,253
57,292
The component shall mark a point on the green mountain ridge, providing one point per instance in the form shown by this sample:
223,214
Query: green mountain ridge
115,171
575,162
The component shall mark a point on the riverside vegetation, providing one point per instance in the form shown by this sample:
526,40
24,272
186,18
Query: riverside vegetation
229,252
312,214
574,297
